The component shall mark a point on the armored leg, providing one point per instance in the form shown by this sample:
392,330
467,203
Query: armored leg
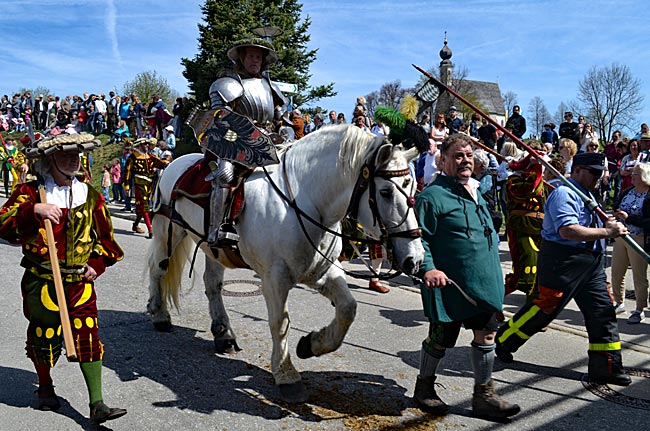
220,234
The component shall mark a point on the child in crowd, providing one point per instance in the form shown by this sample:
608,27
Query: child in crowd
106,182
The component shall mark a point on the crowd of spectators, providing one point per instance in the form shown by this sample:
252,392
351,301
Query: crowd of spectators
119,116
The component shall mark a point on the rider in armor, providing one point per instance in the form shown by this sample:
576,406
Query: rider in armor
249,92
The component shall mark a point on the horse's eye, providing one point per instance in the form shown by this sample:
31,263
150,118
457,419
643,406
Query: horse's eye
386,193
406,182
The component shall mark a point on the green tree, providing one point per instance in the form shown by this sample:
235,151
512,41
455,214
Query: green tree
146,84
226,21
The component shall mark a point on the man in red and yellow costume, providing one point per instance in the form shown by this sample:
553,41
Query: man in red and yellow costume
141,167
525,197
85,247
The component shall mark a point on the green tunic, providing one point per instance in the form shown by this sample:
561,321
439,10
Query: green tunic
459,239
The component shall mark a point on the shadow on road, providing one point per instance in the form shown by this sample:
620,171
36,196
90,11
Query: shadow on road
23,384
204,382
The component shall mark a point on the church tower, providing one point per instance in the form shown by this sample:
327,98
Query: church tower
446,70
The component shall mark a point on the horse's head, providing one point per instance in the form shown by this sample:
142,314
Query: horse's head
390,213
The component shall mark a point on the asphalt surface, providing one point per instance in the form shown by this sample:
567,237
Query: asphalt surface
175,381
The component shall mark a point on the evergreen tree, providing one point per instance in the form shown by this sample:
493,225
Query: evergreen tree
226,21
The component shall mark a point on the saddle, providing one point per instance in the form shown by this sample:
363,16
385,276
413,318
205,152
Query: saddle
199,192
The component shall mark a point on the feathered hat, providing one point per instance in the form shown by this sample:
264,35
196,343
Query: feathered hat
143,141
403,128
81,142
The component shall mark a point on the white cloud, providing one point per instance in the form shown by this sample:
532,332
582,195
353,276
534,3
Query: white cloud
112,33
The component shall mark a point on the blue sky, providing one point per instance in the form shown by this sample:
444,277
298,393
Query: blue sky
533,48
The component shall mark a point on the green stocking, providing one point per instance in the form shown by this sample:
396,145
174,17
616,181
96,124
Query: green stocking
92,372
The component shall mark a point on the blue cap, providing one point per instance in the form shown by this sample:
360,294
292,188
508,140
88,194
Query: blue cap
590,160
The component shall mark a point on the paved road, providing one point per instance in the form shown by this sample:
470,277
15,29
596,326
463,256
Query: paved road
175,382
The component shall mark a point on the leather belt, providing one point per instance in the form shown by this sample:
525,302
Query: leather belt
535,214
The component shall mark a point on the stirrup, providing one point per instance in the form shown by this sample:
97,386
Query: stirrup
227,236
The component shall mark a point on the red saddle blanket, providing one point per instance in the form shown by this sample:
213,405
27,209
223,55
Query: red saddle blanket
193,186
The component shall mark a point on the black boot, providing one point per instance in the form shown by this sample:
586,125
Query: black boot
503,354
427,399
486,403
47,399
607,368
100,413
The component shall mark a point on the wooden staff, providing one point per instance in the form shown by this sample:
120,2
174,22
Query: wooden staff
70,351
591,204
501,158
488,149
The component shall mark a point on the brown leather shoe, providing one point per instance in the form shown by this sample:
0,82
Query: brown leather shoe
47,399
137,229
427,399
376,286
487,404
100,413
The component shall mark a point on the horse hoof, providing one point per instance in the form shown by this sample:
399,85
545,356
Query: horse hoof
304,347
164,326
226,346
293,393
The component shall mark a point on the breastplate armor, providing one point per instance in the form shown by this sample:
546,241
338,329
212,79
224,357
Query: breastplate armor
256,102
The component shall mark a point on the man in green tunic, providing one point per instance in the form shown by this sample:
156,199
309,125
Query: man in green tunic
460,245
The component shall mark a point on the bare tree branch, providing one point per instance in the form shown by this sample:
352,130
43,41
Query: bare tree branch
612,98
509,101
538,114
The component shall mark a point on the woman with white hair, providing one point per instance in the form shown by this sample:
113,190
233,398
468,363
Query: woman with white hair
633,209
487,186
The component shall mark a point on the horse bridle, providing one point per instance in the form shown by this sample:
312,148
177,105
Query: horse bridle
365,181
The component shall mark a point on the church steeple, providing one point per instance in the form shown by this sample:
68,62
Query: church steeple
446,70
445,52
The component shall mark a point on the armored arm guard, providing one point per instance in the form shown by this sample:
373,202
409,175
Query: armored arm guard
224,90
278,98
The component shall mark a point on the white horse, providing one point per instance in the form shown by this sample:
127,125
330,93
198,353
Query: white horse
320,171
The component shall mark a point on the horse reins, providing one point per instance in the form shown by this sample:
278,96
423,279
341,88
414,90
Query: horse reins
364,182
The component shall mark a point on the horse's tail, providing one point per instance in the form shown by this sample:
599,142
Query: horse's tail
168,256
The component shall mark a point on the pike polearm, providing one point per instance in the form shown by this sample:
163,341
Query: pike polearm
590,203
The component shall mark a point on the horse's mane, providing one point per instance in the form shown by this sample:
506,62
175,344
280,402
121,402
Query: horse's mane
357,147
354,145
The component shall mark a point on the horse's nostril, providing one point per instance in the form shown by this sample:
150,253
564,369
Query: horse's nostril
408,265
